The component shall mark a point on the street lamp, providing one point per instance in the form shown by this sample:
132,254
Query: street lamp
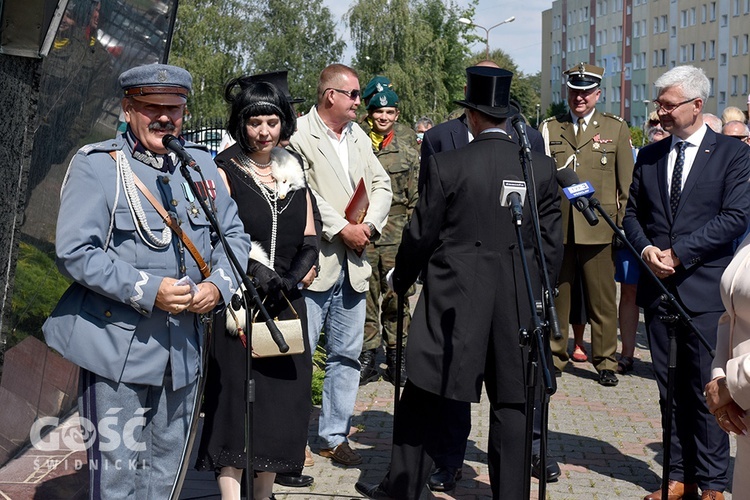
469,22
537,114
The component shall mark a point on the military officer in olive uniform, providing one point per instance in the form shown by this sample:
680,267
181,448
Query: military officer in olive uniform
401,161
405,134
597,146
137,331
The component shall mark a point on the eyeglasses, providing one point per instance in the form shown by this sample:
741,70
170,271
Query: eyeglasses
668,108
351,94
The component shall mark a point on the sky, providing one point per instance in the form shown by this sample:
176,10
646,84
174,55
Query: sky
521,39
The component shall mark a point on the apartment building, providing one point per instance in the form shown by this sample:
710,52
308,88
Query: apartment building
636,41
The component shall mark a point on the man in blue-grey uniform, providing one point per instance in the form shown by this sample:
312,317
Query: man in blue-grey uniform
139,333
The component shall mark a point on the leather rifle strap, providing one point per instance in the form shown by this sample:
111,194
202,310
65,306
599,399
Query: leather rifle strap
169,221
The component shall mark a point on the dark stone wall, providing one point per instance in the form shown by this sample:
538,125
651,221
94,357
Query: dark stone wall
19,79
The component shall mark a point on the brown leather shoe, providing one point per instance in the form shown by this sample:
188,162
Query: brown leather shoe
677,491
712,495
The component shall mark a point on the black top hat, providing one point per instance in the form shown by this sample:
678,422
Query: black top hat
488,91
276,78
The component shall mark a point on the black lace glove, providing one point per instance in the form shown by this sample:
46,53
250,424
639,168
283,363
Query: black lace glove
268,280
301,264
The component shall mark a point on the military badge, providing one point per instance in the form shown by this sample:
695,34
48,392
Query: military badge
162,76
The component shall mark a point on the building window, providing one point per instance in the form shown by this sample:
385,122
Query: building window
722,97
724,20
683,19
711,87
736,7
703,51
735,45
692,16
734,84
744,84
712,11
656,25
704,13
663,57
663,21
744,43
723,59
712,49
683,53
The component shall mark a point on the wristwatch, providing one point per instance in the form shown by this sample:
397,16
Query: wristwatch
374,235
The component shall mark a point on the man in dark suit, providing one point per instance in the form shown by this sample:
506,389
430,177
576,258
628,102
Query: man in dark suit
689,199
449,453
473,301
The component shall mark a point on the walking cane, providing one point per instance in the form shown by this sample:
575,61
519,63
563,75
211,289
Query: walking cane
399,349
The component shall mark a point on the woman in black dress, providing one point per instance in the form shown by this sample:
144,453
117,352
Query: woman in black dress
275,206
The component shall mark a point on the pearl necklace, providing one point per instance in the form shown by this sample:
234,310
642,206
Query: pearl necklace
245,159
271,195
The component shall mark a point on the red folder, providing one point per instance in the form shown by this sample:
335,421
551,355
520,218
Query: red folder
358,204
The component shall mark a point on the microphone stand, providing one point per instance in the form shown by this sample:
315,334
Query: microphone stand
669,300
539,340
276,335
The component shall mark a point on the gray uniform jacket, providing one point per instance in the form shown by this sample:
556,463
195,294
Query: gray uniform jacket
119,333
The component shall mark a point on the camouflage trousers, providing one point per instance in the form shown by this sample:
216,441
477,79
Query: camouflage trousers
382,302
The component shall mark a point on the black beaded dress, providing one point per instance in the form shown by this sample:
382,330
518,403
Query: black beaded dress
281,411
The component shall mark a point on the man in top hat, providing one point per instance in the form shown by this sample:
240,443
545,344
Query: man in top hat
473,301
138,334
401,162
377,84
597,147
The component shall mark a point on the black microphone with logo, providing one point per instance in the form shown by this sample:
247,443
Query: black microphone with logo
578,193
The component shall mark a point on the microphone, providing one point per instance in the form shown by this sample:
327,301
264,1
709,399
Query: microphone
577,193
512,195
520,127
172,143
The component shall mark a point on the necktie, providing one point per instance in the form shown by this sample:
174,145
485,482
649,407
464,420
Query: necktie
579,134
676,187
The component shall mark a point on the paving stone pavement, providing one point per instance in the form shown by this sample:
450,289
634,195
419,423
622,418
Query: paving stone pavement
606,439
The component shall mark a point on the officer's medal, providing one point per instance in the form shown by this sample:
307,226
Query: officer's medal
193,210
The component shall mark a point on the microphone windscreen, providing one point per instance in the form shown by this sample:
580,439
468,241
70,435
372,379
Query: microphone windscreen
567,177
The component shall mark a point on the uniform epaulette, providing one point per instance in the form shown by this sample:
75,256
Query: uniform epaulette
551,118
610,115
104,146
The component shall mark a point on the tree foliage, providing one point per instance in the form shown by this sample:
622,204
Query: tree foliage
210,41
298,35
217,40
419,45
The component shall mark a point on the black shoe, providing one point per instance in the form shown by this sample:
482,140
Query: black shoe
444,479
292,480
368,372
608,378
390,372
553,470
371,491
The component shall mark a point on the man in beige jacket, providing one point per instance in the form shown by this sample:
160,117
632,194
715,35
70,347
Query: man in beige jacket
336,155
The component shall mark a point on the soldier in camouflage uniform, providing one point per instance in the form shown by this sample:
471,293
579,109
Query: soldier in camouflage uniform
597,146
401,161
404,133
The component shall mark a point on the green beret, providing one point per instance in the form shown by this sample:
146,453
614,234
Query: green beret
385,99
377,84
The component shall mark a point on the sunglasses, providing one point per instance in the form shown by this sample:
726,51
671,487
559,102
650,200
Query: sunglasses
351,94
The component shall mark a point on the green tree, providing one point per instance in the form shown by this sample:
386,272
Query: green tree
210,41
299,36
419,45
